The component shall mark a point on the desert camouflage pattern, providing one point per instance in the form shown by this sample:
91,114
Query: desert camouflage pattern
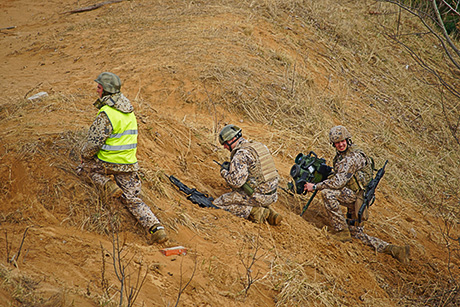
363,175
237,203
101,129
110,82
378,244
129,182
338,134
338,190
346,164
346,197
242,165
125,175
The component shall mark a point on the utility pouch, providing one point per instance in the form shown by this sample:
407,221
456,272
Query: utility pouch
247,188
358,203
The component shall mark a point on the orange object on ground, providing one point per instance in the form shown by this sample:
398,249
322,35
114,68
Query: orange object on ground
177,250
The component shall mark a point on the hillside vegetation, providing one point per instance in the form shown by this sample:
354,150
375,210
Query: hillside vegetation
283,71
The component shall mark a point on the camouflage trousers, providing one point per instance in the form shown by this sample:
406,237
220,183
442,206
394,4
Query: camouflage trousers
346,197
240,204
129,183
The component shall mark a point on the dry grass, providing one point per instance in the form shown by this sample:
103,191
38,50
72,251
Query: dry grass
366,70
297,286
359,78
23,289
368,84
393,107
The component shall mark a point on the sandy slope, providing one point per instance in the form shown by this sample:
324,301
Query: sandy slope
160,49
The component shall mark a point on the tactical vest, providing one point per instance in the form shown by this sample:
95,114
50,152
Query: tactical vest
264,169
121,146
363,176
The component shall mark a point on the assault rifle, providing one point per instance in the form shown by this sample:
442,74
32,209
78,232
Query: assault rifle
369,193
202,200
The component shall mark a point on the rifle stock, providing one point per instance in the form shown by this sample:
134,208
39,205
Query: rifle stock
196,197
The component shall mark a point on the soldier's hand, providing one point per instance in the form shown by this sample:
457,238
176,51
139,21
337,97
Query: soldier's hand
309,187
226,165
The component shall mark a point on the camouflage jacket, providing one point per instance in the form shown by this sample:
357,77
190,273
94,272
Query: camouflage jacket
238,174
346,165
101,129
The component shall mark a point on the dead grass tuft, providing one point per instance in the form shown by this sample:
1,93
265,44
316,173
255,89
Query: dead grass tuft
297,287
21,287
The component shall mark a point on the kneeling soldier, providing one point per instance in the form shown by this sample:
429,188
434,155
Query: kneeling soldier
253,177
352,172
110,151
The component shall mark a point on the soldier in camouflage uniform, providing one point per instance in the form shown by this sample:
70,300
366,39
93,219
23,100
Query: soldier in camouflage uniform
253,177
109,154
352,172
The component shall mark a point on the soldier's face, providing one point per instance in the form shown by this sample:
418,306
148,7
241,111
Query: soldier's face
230,147
100,90
341,146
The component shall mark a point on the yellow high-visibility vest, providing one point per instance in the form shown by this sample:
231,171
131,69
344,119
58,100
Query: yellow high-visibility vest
121,146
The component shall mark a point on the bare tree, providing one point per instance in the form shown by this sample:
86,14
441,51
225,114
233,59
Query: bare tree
449,294
430,16
248,261
182,289
129,289
15,257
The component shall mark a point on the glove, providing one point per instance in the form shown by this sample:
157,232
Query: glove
225,165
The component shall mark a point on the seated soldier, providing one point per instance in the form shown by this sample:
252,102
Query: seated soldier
110,151
253,177
352,172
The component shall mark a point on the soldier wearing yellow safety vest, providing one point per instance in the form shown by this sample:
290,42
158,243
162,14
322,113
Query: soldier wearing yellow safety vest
252,175
110,151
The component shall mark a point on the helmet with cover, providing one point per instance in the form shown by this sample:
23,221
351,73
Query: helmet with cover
338,134
228,133
110,82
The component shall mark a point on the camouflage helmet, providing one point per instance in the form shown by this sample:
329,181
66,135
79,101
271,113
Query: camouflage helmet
229,132
338,134
110,82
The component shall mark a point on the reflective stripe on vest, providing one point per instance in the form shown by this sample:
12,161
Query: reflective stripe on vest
121,146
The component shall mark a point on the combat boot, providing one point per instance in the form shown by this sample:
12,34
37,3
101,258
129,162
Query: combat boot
258,214
342,235
157,234
111,190
401,253
274,218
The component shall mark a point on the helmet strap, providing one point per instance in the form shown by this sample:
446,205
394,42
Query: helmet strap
235,138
